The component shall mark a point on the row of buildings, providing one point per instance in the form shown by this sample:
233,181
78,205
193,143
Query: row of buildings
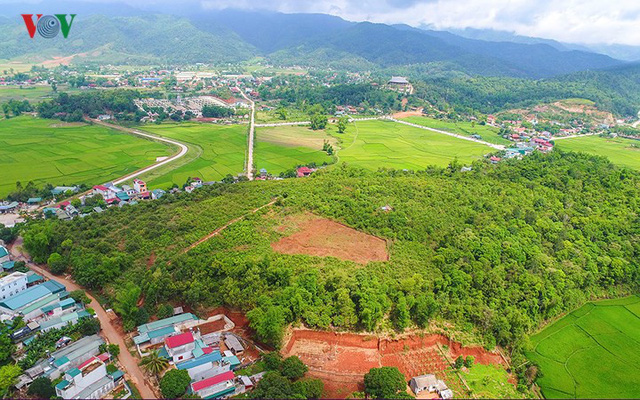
206,349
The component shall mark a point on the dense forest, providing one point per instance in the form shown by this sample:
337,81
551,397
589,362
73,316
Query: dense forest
496,251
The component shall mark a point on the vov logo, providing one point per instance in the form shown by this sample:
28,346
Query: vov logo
48,26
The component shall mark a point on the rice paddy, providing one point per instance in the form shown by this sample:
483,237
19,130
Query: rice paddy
623,152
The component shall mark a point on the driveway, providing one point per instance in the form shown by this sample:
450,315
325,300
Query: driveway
108,330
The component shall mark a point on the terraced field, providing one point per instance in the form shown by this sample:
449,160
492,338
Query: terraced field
50,151
593,352
215,151
624,152
375,144
281,148
488,133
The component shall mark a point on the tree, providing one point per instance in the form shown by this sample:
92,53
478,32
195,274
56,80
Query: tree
6,345
293,368
273,386
401,316
384,382
8,377
468,361
174,383
88,326
318,121
57,263
342,124
309,388
272,361
424,307
126,305
269,325
154,363
42,388
80,296
458,363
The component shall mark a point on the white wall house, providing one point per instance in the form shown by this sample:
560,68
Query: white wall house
12,284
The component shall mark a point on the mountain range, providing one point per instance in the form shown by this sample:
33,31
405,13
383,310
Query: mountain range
127,35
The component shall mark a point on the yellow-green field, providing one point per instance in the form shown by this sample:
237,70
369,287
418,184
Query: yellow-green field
51,151
282,148
214,152
488,133
375,144
623,152
592,352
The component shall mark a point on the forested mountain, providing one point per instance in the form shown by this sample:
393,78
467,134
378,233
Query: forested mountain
311,39
153,38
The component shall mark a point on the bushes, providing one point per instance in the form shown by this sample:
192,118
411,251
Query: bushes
174,383
385,382
283,380
41,388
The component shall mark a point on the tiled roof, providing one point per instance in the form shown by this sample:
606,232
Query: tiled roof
214,380
179,340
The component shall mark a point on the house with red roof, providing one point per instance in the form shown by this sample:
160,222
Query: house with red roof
495,160
304,171
216,386
139,186
180,347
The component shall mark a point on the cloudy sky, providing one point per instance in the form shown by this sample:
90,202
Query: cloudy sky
576,21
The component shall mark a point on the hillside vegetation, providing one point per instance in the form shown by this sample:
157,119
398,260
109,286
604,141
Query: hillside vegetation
496,250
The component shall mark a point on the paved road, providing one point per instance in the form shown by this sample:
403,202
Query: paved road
183,150
495,146
252,128
108,330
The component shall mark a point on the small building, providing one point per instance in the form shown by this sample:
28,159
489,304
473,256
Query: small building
304,171
4,254
7,208
431,384
89,380
494,160
12,285
34,200
58,190
139,186
233,344
157,193
180,347
216,386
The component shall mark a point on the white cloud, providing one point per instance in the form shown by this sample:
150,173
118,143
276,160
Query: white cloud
575,21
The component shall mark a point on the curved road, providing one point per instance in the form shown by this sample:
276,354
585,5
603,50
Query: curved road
108,330
183,149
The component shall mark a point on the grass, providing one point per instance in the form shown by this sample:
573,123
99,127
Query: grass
593,351
619,150
30,93
270,116
215,151
490,382
281,148
489,133
50,151
375,144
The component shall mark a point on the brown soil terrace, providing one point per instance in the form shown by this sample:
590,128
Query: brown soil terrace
342,359
317,236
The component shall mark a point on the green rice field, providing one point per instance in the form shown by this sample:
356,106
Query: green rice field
50,151
593,352
214,152
623,152
282,148
375,144
488,133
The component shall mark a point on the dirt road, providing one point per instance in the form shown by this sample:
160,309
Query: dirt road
108,330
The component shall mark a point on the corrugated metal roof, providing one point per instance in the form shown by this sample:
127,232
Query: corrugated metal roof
176,319
28,296
211,357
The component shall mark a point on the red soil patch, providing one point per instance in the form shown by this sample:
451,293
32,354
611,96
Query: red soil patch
405,114
321,237
341,360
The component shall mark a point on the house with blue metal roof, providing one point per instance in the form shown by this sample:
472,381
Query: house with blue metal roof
4,254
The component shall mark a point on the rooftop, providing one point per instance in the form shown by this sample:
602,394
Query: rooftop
176,319
211,357
214,380
179,340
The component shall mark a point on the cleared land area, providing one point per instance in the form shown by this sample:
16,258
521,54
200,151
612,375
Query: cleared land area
593,352
317,236
215,151
375,144
624,152
489,133
282,148
50,151
342,359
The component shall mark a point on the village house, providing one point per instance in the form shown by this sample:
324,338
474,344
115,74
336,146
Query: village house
12,284
304,171
89,380
431,384
4,254
217,386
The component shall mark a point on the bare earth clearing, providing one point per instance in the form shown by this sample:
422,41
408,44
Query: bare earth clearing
316,236
342,359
